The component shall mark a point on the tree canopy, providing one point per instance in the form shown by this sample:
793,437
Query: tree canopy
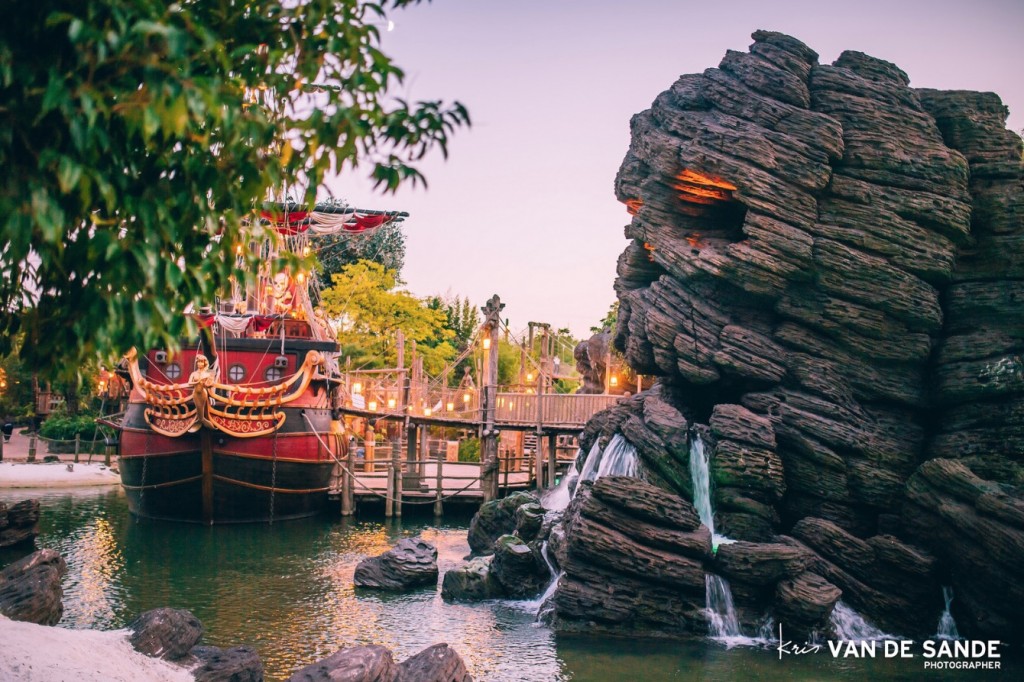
371,309
136,137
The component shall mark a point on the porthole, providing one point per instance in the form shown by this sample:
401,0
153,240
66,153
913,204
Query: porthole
173,371
273,374
236,373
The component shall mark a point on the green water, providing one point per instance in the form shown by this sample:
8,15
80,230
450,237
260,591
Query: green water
287,590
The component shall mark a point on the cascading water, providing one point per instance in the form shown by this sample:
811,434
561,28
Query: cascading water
558,498
722,621
947,626
540,606
591,463
618,459
850,625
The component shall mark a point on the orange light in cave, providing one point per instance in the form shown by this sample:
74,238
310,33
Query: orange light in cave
694,241
698,188
633,206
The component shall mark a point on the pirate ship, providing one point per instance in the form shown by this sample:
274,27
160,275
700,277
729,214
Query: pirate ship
237,426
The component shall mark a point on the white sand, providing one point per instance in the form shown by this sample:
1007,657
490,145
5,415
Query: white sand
37,653
55,475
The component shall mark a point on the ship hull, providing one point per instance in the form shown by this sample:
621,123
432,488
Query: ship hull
210,477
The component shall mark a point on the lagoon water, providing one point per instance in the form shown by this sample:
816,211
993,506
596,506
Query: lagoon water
287,590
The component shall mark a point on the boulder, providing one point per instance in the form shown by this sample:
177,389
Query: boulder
165,633
529,521
371,663
471,581
494,519
30,588
803,605
410,563
437,663
19,523
518,568
237,664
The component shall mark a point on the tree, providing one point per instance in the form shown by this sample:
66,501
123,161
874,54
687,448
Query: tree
609,321
385,245
136,138
371,309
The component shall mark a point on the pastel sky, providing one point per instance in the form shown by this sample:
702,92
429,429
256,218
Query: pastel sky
524,206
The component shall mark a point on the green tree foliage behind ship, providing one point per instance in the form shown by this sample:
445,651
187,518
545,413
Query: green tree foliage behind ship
131,151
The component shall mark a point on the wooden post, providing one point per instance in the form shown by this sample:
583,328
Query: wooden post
421,465
489,449
400,349
346,489
369,448
411,452
389,496
552,457
538,455
398,482
78,446
439,500
352,481
32,447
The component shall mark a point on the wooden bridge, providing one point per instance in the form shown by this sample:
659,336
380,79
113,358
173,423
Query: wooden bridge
527,431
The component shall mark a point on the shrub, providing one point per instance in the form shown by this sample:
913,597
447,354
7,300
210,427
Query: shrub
64,427
469,450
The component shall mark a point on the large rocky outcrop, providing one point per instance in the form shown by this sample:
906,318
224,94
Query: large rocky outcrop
30,588
825,269
412,562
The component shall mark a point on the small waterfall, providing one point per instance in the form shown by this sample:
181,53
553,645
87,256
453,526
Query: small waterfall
850,625
722,621
723,624
557,498
947,626
538,605
618,459
591,463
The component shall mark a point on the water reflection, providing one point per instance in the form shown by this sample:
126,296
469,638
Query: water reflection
287,590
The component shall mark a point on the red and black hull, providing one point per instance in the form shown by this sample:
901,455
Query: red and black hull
212,477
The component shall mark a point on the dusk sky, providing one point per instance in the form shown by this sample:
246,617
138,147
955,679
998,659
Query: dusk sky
524,206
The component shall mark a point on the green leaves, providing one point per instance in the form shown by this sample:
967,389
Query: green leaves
153,129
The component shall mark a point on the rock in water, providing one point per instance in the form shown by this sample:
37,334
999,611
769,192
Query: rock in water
410,563
30,588
370,663
437,663
18,523
237,664
496,518
518,569
471,582
165,633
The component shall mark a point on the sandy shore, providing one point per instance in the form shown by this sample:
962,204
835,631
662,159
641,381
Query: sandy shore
55,475
37,653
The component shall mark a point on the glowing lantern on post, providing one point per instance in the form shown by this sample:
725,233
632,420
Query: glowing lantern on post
357,387
372,405
391,403
614,381
450,406
465,398
487,343
426,411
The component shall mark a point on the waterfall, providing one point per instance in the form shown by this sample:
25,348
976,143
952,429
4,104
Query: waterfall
947,626
591,463
700,474
557,498
722,621
538,605
618,459
850,625
723,624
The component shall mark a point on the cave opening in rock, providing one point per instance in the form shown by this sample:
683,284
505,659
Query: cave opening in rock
711,212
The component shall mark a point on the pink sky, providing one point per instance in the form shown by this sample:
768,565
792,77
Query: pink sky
524,206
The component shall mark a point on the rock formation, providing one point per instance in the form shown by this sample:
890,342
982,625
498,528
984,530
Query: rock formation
19,523
826,272
410,563
237,664
374,663
165,633
494,519
30,588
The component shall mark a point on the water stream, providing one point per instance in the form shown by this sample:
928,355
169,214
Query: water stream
618,459
947,626
723,624
850,625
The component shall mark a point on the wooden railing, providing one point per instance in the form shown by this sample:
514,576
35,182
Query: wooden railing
555,408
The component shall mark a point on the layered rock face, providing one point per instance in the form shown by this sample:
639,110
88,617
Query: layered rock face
826,269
